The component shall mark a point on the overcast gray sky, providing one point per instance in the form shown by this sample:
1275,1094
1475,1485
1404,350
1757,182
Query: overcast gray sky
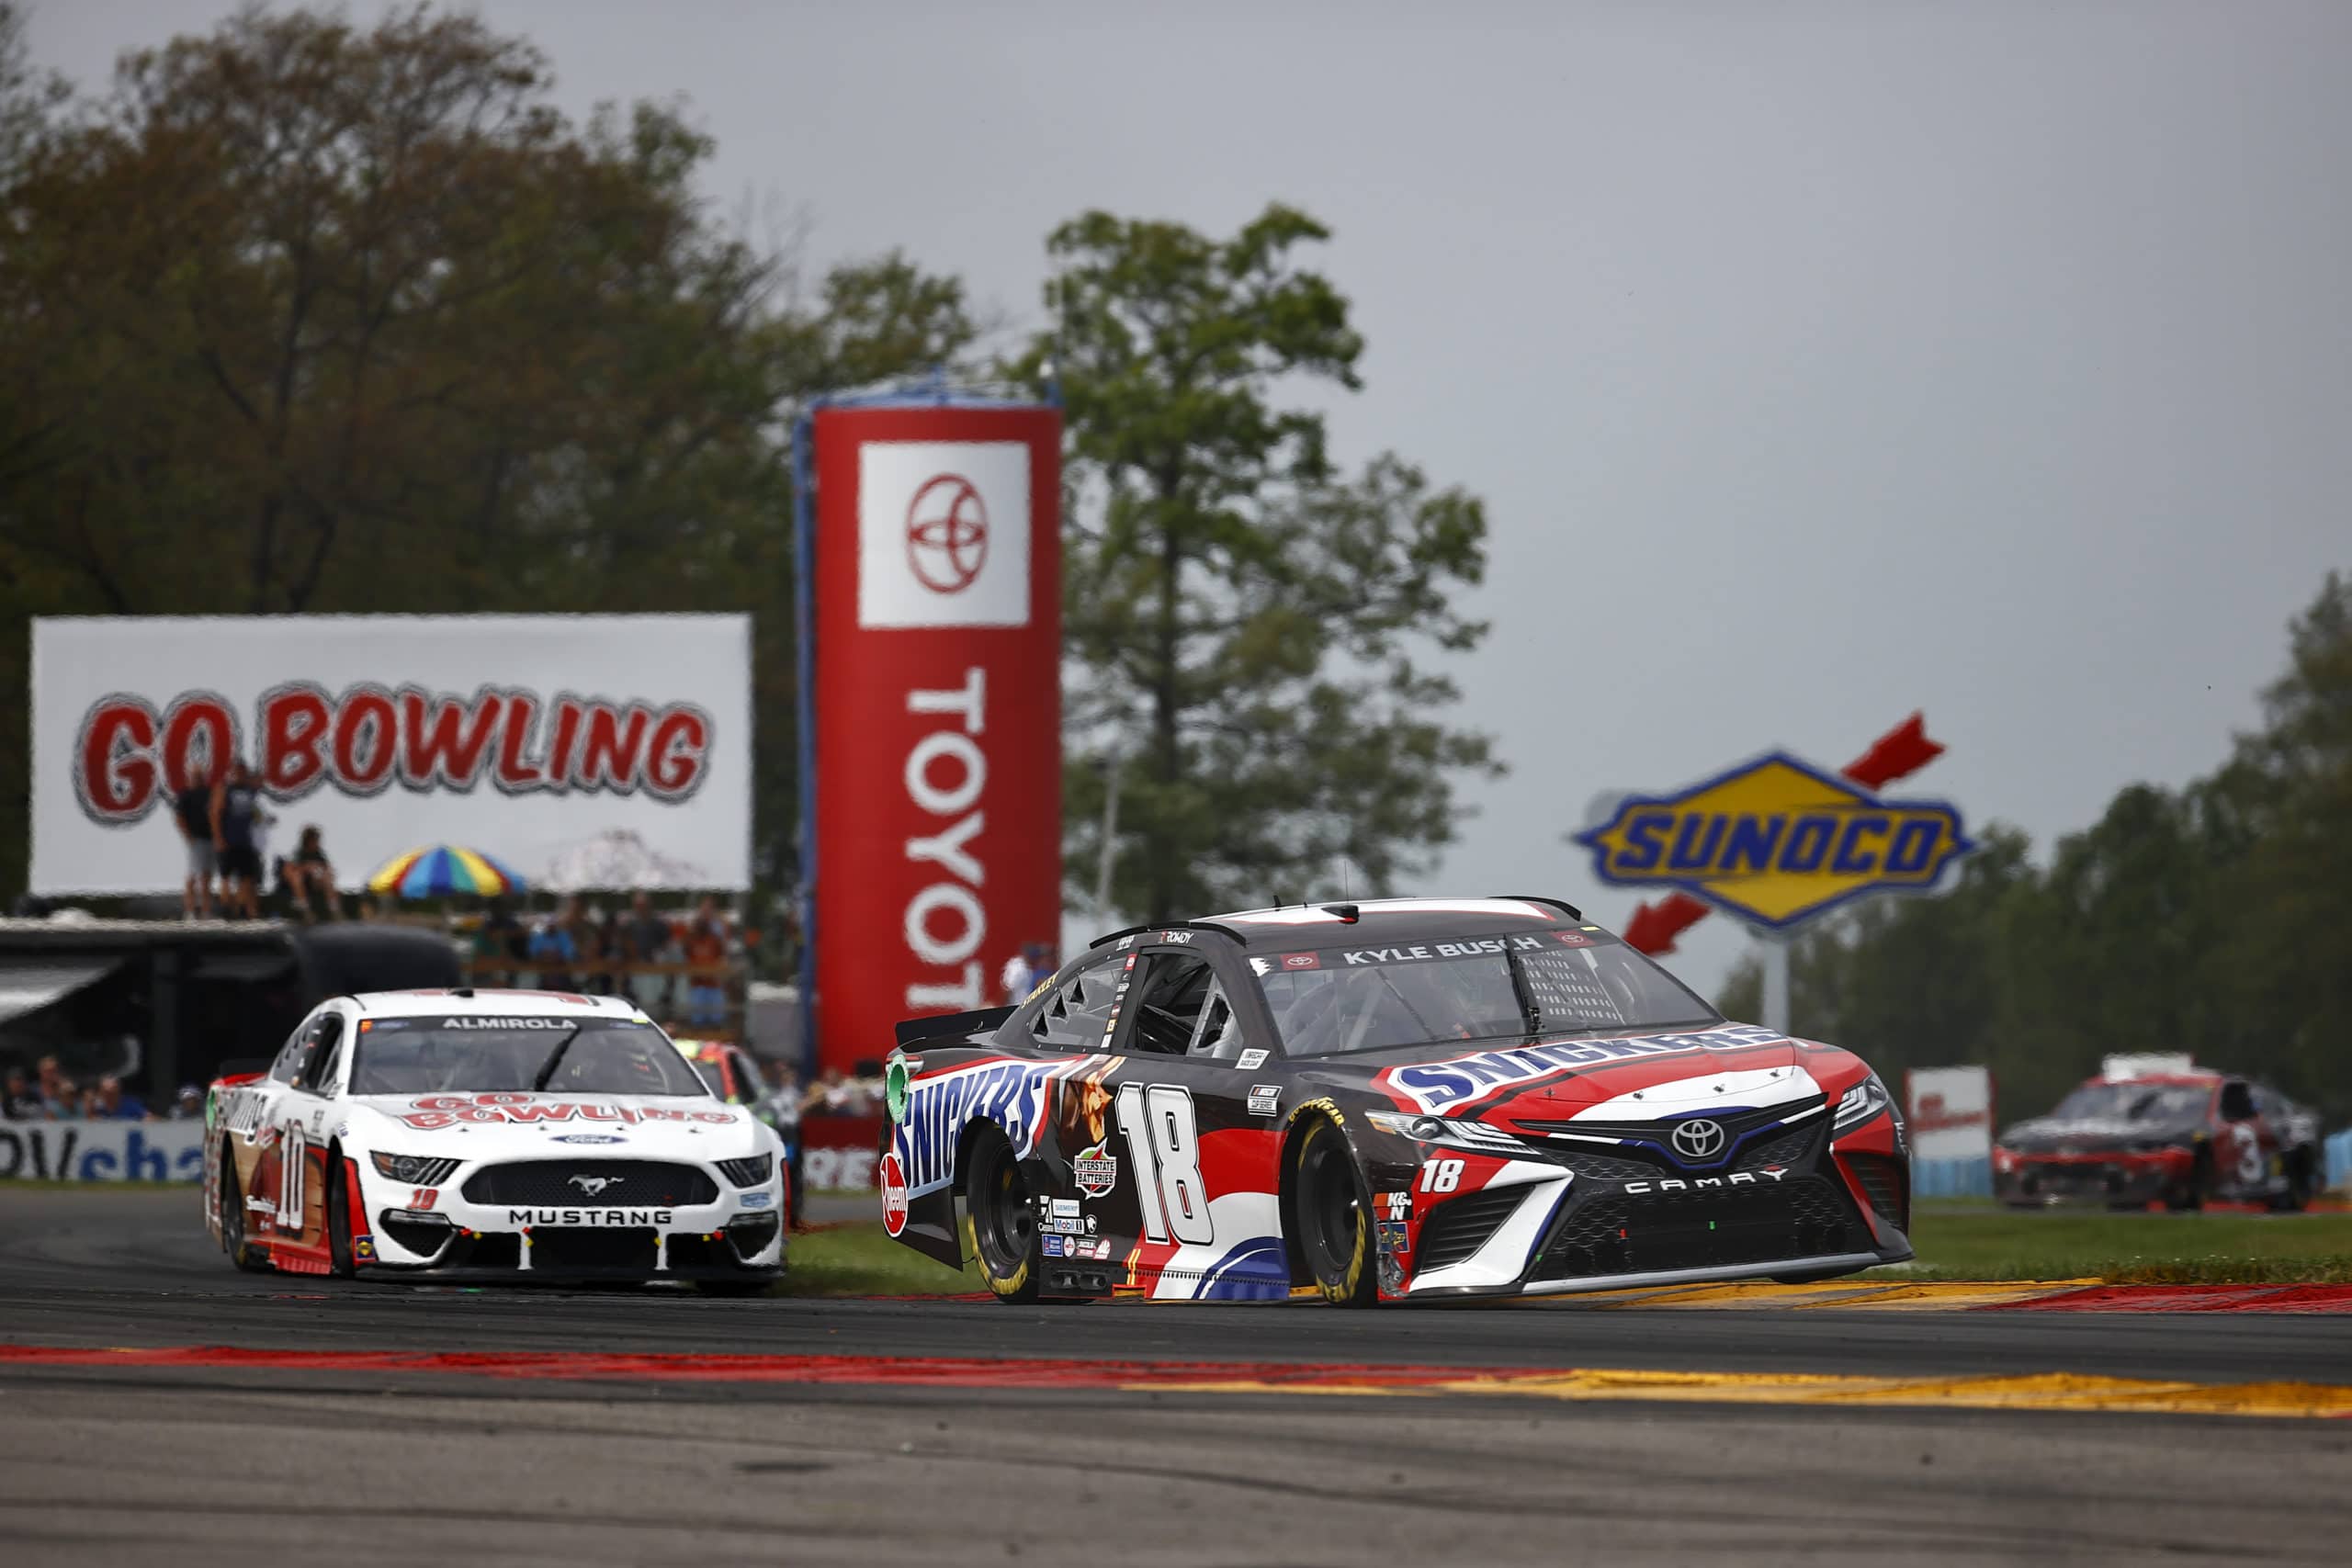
1817,363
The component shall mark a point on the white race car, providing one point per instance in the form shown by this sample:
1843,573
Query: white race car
519,1134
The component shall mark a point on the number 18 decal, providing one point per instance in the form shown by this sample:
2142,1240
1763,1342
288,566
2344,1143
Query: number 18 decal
1165,1143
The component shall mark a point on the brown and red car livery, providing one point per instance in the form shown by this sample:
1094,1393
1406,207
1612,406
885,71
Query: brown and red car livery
1227,1109
2181,1137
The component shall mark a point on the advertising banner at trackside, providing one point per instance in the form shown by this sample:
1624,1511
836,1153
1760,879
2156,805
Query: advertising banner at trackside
1776,842
539,739
936,607
839,1153
102,1151
1950,1112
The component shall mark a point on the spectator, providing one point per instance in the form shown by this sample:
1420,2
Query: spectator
1018,977
236,818
828,1096
54,1085
706,948
109,1103
501,936
308,877
551,948
646,938
189,1106
71,1103
586,929
192,811
19,1104
780,1109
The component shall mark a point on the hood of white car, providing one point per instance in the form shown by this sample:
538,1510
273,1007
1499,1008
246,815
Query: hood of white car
519,1126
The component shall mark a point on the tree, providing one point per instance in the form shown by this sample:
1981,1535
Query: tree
303,317
1242,625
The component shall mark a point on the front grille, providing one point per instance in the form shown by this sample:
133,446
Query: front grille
600,1184
1646,1232
1460,1228
1883,1180
1791,1150
593,1248
421,1237
1602,1168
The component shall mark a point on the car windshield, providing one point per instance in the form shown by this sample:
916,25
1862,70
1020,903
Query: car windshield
478,1055
1332,1000
2166,1104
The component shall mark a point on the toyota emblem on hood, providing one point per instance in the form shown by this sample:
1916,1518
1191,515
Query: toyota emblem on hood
1699,1138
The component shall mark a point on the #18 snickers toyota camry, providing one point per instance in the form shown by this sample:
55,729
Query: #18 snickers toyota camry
509,1134
1394,1100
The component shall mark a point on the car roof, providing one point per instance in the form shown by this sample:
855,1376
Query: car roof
468,1001
2196,1077
1373,920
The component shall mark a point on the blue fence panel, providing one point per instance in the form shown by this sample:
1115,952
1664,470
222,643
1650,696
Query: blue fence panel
1952,1179
2339,1158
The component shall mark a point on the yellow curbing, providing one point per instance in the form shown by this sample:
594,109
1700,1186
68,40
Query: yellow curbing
2040,1391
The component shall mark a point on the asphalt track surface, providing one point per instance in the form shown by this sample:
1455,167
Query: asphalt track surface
202,1461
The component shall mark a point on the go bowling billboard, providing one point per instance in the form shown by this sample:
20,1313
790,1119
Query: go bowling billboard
931,628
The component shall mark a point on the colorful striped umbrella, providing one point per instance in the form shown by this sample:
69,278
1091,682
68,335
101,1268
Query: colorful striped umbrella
438,870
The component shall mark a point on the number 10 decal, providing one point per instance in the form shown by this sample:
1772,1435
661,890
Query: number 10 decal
1165,1143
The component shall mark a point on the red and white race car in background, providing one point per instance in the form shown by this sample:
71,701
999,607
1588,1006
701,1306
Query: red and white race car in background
520,1134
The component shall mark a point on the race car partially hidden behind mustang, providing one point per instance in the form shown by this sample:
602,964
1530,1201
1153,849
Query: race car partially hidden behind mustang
2158,1128
1400,1100
513,1134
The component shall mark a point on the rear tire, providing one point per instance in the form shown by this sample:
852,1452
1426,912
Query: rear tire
242,1253
1334,1216
1004,1220
2189,1196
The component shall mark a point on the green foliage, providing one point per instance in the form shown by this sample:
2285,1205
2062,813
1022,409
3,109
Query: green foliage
2215,920
1978,1241
1244,623
305,318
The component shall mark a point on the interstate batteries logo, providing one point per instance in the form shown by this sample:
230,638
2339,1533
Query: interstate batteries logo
1775,841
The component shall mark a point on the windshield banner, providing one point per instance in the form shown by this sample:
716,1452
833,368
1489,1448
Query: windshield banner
583,752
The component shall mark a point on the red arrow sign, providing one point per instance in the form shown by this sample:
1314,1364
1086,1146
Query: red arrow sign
1899,753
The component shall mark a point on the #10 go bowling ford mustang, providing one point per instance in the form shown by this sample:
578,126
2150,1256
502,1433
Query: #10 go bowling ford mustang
1393,1099
523,1135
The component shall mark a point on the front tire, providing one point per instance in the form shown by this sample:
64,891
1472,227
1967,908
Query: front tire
339,1261
242,1253
1004,1220
1334,1216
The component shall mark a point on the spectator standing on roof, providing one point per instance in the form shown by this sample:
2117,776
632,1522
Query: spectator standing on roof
192,812
236,812
707,953
310,877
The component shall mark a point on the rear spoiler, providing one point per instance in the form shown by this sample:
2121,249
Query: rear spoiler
941,1025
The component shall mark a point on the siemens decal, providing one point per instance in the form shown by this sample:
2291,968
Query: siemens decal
1439,1086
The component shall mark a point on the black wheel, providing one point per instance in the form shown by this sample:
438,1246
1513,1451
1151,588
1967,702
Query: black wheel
338,1217
242,1253
2194,1187
2299,1187
1334,1216
1004,1220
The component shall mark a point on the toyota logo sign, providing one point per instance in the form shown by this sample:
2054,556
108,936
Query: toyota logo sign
1699,1138
947,533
